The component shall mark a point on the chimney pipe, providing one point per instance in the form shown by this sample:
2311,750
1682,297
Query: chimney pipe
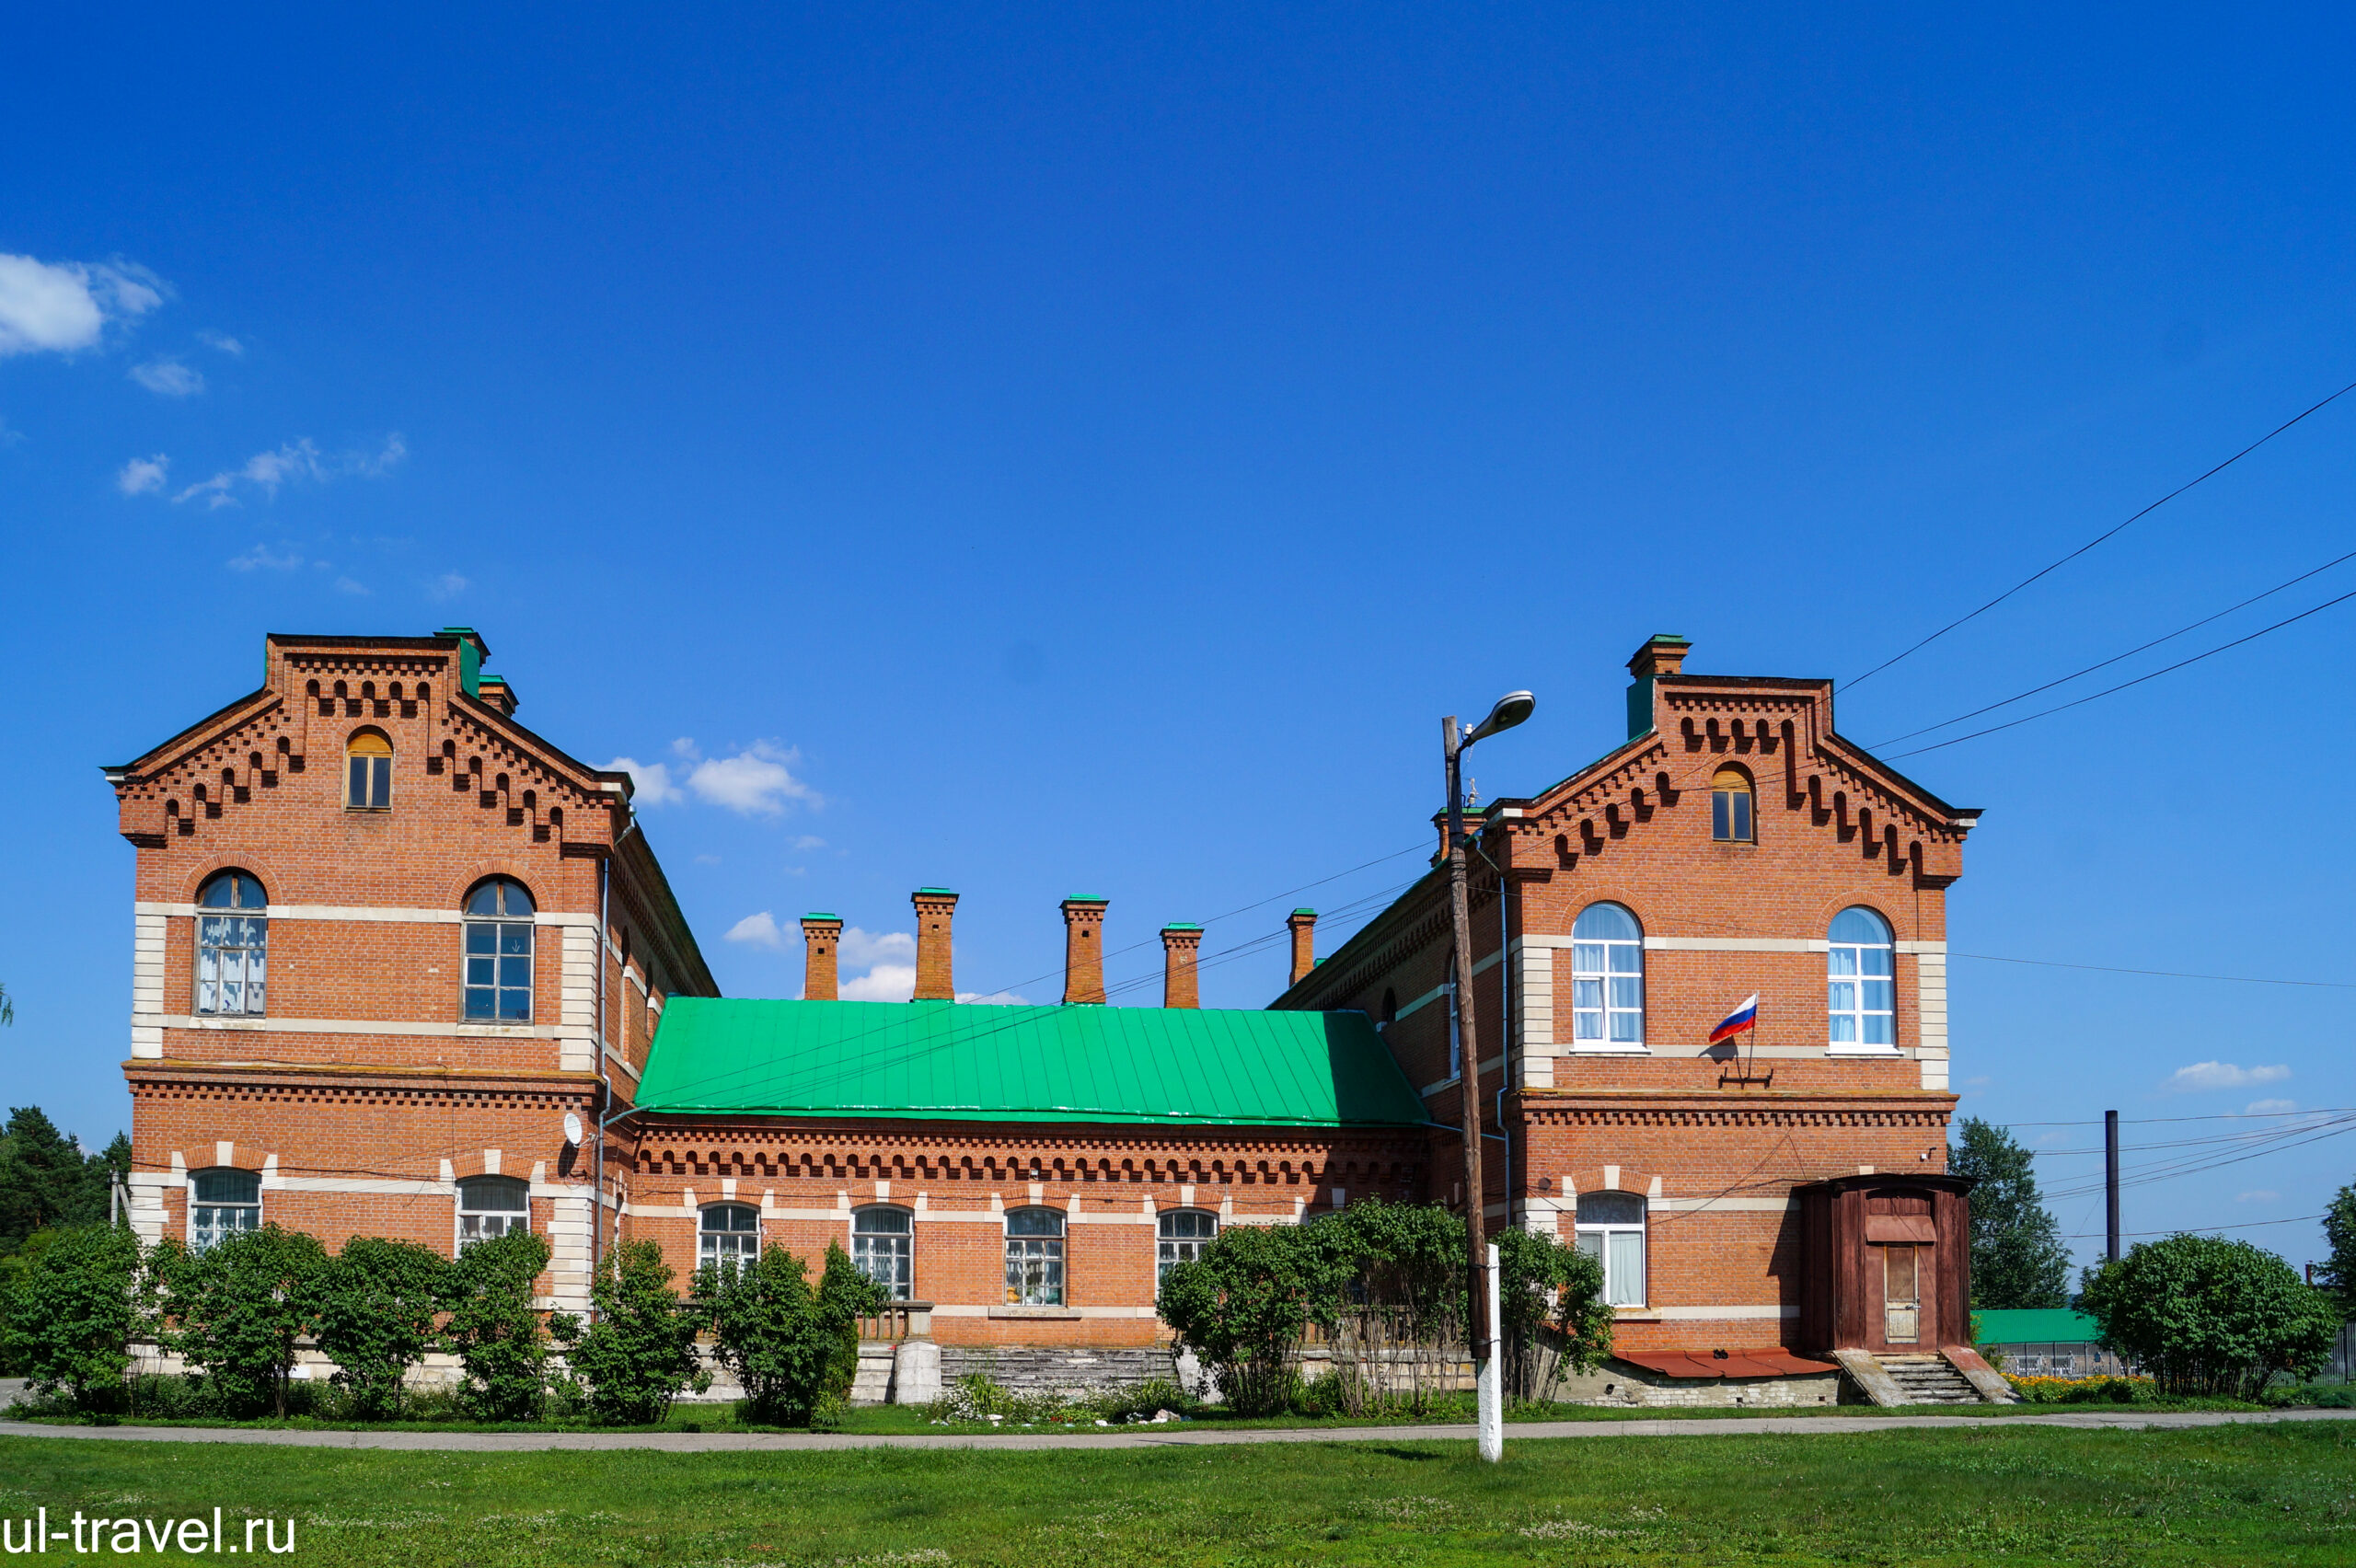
1181,940
822,936
934,907
1662,654
1083,950
1304,943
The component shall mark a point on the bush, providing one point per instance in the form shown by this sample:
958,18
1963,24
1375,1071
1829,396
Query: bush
236,1309
494,1328
1551,1298
640,1350
1243,1305
790,1346
70,1313
374,1306
2205,1315
2085,1391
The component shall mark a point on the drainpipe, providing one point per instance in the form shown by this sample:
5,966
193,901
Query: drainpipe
605,1083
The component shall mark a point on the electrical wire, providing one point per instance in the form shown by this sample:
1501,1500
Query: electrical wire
2116,658
2099,538
2139,680
2202,1230
2159,974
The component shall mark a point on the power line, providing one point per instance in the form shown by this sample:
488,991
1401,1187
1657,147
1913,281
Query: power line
2160,974
2139,680
2212,1116
2253,1225
2098,539
2116,658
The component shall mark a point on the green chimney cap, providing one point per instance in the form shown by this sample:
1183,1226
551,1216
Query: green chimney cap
822,915
1310,913
943,891
1183,926
1085,898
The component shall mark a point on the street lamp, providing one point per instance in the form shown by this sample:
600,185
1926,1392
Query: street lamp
1510,709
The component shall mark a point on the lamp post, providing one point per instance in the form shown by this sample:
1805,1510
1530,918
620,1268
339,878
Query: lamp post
1510,709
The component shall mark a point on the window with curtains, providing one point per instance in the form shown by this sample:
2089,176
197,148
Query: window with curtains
1035,1257
1611,1230
1861,983
492,1205
1731,807
729,1233
232,946
368,772
882,1243
219,1204
499,952
1607,979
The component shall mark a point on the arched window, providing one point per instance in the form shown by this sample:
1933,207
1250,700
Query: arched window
368,772
729,1233
882,1243
232,946
1611,1230
499,952
1731,807
1184,1233
1035,1257
1607,979
219,1204
492,1205
1861,985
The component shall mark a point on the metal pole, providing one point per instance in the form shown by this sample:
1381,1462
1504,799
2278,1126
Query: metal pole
2110,1182
1484,1331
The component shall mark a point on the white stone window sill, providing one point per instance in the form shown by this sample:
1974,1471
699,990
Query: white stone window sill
1883,1051
1034,1312
1620,1049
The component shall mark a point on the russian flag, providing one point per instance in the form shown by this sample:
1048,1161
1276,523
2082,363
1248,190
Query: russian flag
1742,1018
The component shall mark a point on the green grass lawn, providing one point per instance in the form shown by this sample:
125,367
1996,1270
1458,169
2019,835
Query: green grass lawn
2279,1495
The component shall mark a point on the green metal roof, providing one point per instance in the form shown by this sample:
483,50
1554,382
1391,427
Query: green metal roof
961,1061
2035,1325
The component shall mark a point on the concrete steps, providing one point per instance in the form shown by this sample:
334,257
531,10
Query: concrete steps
1952,1376
1928,1379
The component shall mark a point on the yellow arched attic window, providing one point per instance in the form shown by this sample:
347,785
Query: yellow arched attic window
1730,821
368,772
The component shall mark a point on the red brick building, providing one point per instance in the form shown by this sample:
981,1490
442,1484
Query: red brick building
402,966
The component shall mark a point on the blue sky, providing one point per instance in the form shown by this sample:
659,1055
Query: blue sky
1086,449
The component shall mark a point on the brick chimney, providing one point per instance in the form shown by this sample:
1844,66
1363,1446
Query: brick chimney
495,692
1083,950
822,936
1304,943
1662,654
934,906
1181,940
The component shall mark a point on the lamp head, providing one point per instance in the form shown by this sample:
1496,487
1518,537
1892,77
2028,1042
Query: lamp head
1511,710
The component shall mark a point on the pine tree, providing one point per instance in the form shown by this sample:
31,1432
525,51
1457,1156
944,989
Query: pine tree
2017,1256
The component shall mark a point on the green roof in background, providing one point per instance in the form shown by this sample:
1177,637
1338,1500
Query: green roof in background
2037,1325
963,1061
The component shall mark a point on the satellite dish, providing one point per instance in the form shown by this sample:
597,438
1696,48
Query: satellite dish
571,1129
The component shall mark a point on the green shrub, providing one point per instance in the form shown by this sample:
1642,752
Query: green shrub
2205,1315
1551,1299
789,1346
1243,1305
374,1305
634,1359
70,1313
235,1310
494,1328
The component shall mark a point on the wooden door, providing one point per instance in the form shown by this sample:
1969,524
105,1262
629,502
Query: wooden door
1903,1267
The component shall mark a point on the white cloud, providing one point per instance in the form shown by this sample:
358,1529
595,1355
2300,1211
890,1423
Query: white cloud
861,949
650,781
143,474
8,437
266,472
708,861
167,378
347,585
2259,1196
449,585
884,983
995,999
261,558
2223,1075
809,841
757,780
757,930
2269,1107
56,307
221,341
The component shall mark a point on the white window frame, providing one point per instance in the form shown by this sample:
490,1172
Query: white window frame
742,1246
1722,812
1596,1240
1171,1250
508,1221
1035,1262
367,775
898,1246
1592,963
1856,977
250,958
499,926
206,1227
